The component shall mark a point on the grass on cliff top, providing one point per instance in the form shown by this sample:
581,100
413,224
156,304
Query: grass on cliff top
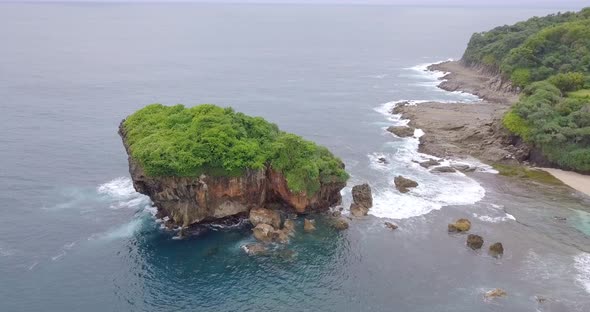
207,139
580,94
526,173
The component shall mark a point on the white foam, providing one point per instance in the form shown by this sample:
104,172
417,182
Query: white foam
582,266
496,219
123,195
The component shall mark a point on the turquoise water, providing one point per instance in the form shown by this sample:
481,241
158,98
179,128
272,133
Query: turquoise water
74,236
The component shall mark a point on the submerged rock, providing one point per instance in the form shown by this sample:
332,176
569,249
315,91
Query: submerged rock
495,293
496,250
401,131
443,169
340,224
391,225
474,241
289,227
429,163
461,225
404,184
382,160
255,249
308,225
266,216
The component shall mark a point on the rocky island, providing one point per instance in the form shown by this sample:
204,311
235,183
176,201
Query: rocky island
206,163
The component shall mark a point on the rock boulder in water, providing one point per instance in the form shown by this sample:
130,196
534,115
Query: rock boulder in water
265,216
391,225
461,225
429,163
496,250
263,232
255,249
340,224
404,184
474,241
495,293
361,194
358,210
308,225
401,131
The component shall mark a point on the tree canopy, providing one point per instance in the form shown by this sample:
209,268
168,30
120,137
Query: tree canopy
549,58
207,139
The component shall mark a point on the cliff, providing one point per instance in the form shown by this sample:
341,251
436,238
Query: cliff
207,196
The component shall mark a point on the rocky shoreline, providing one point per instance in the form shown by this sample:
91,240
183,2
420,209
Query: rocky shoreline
457,130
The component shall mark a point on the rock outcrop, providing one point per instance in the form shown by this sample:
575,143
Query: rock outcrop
474,241
495,293
192,200
266,216
362,200
429,163
443,169
404,184
461,225
340,224
401,131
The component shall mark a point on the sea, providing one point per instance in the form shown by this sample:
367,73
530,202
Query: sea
75,236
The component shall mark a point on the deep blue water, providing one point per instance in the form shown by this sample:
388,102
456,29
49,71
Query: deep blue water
75,237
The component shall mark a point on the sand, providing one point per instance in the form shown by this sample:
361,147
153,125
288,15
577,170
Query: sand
574,180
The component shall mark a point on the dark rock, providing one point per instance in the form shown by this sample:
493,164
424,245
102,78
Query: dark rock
401,131
404,184
496,250
336,213
361,194
474,241
461,225
443,169
391,225
382,160
429,163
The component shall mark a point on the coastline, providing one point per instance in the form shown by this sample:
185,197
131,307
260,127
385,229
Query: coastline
460,130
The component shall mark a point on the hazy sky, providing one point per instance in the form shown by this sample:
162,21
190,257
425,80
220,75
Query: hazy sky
525,3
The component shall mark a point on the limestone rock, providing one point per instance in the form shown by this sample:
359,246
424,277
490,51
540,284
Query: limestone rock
495,293
404,184
401,131
461,225
263,232
443,169
308,225
289,227
496,250
358,210
266,216
391,225
474,241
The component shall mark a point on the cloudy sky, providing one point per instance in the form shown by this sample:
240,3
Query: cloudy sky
524,3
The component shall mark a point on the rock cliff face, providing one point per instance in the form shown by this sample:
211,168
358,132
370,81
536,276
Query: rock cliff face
190,200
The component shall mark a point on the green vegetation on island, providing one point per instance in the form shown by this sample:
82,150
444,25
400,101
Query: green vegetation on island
207,139
549,59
